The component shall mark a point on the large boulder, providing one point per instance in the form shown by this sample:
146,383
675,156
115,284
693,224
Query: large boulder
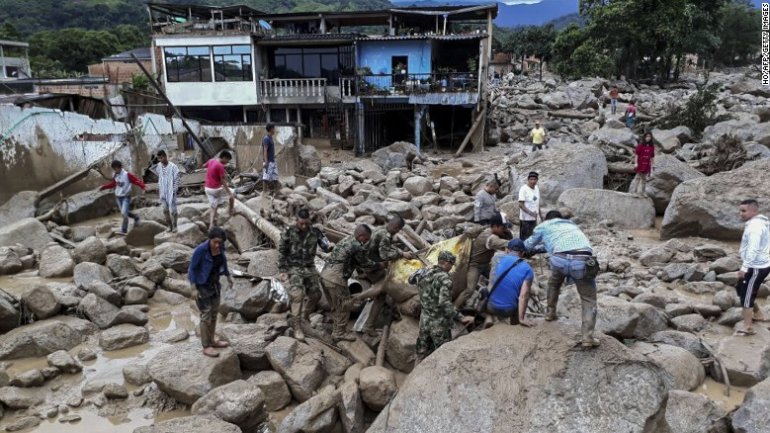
190,424
185,374
753,416
687,412
708,206
28,232
625,319
10,262
173,255
669,173
746,360
613,136
41,302
89,205
683,370
248,299
21,205
567,390
86,272
92,249
10,314
186,234
263,263
751,86
273,387
56,262
104,314
144,233
39,339
351,408
625,210
418,185
298,364
122,336
562,169
317,414
400,347
250,341
394,156
378,386
309,160
122,266
237,402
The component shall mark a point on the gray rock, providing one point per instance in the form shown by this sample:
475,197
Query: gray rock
725,264
236,402
153,271
316,414
566,388
747,360
136,374
10,316
623,209
250,342
182,372
675,271
117,246
91,249
248,299
122,266
658,254
731,317
685,340
298,364
28,379
188,234
173,255
689,323
418,185
41,302
28,232
624,319
273,387
104,291
400,347
190,424
378,386
24,423
169,298
64,362
104,315
122,336
393,156
81,233
21,398
351,408
687,412
708,252
56,262
20,206
135,295
144,233
263,263
114,391
38,339
725,300
10,262
753,416
181,287
89,205
683,370
86,272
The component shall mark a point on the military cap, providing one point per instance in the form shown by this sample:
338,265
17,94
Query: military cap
446,256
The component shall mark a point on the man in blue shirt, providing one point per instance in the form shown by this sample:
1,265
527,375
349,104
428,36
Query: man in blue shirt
568,250
510,296
269,168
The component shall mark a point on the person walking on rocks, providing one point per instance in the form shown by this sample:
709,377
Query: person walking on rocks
216,187
381,252
570,256
207,264
614,93
510,283
296,264
755,254
529,206
538,136
485,245
121,182
434,286
645,156
269,169
350,254
168,185
485,205
631,114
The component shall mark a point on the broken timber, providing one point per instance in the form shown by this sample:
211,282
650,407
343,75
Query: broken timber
467,139
257,221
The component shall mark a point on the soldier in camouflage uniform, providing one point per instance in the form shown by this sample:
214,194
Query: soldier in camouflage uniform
296,262
349,254
435,289
381,251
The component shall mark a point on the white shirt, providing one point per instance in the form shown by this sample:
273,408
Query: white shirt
531,199
755,244
168,181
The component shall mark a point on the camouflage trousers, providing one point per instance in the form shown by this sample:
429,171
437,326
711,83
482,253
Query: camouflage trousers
339,297
304,285
561,269
433,333
376,293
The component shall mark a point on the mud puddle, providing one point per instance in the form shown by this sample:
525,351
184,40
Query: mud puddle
17,284
716,392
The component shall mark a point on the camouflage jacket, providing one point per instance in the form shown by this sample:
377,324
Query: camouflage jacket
381,248
435,289
297,249
351,255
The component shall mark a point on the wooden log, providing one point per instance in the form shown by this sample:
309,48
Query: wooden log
380,359
467,139
421,226
571,114
257,221
330,196
416,239
621,167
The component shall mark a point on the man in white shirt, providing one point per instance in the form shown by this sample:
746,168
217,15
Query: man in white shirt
169,177
755,256
529,206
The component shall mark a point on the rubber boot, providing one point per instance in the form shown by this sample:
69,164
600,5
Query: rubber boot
169,220
295,320
174,217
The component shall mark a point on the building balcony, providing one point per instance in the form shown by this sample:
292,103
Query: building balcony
305,91
405,85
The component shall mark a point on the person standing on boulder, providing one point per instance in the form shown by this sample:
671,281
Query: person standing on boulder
350,254
121,182
434,286
168,184
296,264
485,205
269,169
529,206
645,156
755,254
570,256
614,93
631,114
207,264
482,249
216,185
538,136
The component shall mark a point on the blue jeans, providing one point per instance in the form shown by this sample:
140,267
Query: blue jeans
614,105
124,205
574,269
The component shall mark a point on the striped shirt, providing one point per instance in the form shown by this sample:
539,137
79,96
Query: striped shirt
557,236
168,181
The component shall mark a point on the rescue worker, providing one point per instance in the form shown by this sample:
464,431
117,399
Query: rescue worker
296,263
485,245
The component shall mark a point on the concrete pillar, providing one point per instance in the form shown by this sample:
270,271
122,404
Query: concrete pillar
360,127
419,110
2,62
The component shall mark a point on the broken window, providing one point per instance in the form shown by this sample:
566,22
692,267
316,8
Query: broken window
232,63
188,64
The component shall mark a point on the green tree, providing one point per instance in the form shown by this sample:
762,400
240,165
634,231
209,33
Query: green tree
576,54
739,33
71,49
130,37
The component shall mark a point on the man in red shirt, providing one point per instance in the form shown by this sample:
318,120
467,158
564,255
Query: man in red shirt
216,185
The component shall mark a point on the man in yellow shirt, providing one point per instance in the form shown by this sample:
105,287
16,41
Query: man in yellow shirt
538,136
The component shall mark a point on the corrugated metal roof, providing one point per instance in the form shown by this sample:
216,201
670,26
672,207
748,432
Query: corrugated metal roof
142,53
463,37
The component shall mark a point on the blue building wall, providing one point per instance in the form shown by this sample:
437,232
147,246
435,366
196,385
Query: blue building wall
377,55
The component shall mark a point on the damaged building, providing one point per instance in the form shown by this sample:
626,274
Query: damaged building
355,80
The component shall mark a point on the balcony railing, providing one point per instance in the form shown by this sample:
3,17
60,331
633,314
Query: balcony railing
409,84
293,88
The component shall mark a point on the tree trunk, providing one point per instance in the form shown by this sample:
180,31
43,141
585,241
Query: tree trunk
678,64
